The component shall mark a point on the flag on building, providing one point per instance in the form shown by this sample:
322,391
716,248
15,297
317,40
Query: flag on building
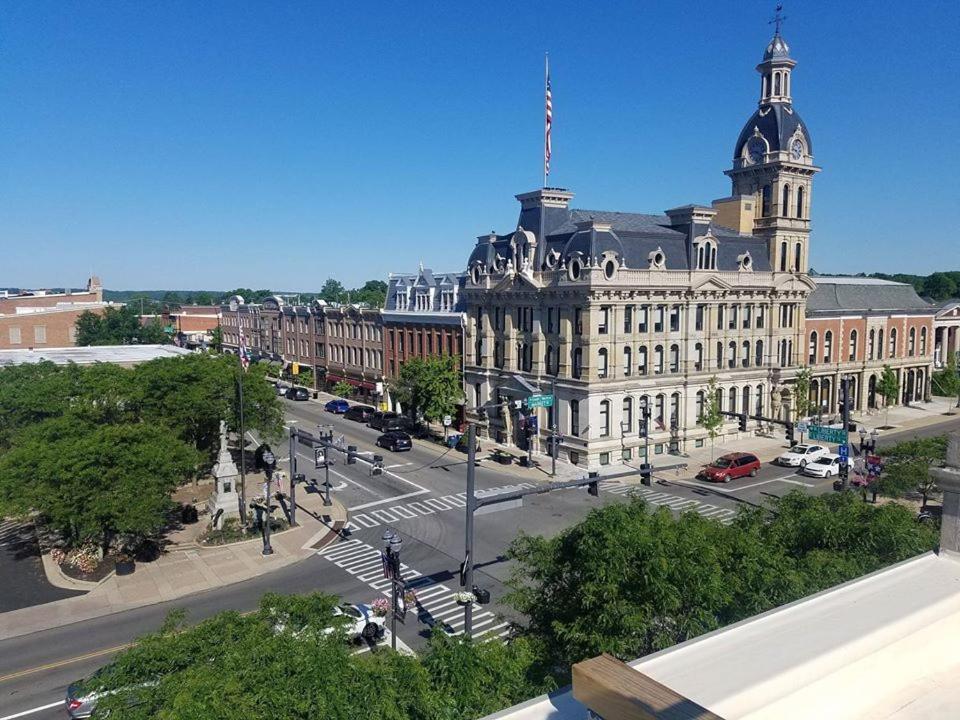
548,126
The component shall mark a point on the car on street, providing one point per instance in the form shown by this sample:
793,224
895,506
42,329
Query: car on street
395,441
386,421
728,467
359,413
297,393
82,703
824,466
362,623
802,454
281,389
338,406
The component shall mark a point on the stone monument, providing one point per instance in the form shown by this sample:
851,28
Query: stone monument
225,476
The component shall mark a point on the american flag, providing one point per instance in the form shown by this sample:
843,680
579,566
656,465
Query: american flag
244,353
547,148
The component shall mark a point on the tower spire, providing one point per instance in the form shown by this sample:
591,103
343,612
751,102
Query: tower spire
777,19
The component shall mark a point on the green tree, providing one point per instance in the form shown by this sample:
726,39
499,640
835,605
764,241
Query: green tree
801,393
373,293
946,382
629,581
889,388
118,326
429,387
203,298
907,466
216,339
279,664
343,389
333,291
304,377
92,482
711,419
939,287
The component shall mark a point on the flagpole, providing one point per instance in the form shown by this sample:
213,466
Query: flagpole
546,87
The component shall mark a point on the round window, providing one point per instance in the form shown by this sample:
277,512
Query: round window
475,274
609,268
746,262
658,259
574,269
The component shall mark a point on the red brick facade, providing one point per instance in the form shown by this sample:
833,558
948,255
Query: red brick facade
46,320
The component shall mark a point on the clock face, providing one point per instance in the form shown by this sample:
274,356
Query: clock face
796,149
756,149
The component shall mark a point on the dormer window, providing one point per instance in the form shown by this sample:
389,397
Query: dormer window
705,250
745,262
657,259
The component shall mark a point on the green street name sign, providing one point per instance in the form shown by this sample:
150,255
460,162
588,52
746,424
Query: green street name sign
827,434
540,401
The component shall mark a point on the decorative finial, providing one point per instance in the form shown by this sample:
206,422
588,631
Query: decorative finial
421,266
778,19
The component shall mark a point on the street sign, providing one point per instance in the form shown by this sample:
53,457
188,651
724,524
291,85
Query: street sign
802,426
447,421
844,452
828,434
540,401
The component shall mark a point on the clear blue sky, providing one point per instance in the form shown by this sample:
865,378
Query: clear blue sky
273,144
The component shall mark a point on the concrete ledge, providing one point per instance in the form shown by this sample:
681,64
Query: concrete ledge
58,578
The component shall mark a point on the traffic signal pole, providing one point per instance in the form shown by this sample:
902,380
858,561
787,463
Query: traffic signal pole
845,415
293,476
471,507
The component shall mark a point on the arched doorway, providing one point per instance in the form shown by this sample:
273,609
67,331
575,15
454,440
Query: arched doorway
824,396
908,388
872,392
918,387
814,396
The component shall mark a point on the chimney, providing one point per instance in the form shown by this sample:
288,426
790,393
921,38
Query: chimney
948,480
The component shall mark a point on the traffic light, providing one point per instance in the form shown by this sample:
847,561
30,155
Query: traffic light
789,433
646,474
594,487
743,422
351,454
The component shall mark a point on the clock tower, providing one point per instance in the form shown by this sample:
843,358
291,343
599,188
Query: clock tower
773,163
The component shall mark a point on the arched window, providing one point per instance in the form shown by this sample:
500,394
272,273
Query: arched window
674,410
604,418
642,360
701,404
912,342
602,366
745,358
745,405
658,360
720,399
759,408
871,344
785,202
783,257
758,357
893,343
575,418
626,421
812,354
659,413
577,362
627,362
828,346
800,195
732,396
853,346
765,201
776,83
732,360
880,344
719,354
798,257
674,358
698,356
923,341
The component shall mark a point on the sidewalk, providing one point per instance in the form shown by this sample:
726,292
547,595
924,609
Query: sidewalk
185,568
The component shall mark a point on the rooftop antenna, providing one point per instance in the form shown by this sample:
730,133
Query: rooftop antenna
778,19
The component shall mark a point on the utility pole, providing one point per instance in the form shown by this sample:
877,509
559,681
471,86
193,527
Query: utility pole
293,476
392,542
269,463
471,506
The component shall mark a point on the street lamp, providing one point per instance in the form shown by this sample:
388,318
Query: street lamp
863,438
873,440
392,544
269,463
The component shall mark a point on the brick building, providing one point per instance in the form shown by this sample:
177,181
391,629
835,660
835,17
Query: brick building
423,317
39,319
192,325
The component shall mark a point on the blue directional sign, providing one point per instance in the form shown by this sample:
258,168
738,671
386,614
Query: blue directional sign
844,451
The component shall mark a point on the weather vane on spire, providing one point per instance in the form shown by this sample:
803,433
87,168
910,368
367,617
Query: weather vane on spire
778,19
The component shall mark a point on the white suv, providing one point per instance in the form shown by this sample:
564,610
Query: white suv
800,455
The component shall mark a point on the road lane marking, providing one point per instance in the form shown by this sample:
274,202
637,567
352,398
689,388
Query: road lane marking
669,500
61,663
767,482
386,500
59,703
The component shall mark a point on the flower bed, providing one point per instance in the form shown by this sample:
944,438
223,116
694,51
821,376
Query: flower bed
83,564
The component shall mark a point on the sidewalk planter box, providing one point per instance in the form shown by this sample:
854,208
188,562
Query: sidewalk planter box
125,566
502,457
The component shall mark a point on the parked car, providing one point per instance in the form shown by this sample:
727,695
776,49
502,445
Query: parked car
727,467
824,466
82,703
298,393
395,441
337,406
380,417
359,413
281,389
800,455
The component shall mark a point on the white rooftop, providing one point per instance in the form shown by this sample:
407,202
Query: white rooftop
837,280
120,354
884,646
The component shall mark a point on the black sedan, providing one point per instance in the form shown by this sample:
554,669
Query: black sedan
298,393
359,413
395,441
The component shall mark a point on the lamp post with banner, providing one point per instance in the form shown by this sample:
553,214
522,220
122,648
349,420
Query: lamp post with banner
392,544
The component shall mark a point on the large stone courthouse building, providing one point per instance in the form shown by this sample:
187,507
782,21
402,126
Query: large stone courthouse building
608,308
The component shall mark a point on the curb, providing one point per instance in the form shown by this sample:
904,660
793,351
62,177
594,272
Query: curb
58,578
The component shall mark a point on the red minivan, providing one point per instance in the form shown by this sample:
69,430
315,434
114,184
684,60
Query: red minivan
727,467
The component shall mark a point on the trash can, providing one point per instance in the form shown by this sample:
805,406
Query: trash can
452,440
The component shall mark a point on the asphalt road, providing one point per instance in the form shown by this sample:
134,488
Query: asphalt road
419,495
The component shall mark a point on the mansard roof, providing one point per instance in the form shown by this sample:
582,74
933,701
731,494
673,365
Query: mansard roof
423,279
837,295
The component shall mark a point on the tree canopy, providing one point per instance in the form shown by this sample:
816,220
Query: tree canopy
278,664
630,582
429,387
906,467
118,326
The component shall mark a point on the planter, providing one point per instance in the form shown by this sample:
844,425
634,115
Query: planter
125,566
503,458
